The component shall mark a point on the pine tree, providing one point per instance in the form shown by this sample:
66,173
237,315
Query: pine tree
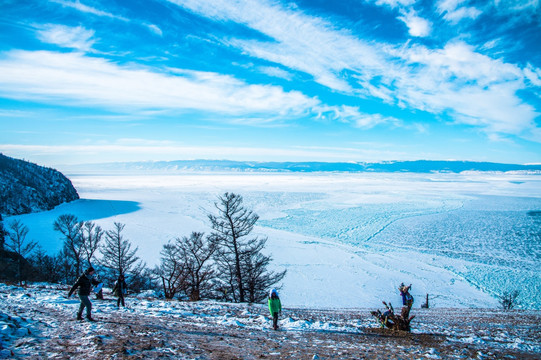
241,264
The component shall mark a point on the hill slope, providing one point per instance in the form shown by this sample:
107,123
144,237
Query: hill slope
26,187
39,322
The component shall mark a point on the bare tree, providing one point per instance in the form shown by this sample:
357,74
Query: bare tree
48,267
172,271
509,299
69,226
91,236
117,253
16,242
258,279
239,258
67,266
195,252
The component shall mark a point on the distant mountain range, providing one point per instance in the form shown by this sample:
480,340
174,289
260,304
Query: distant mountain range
419,166
26,187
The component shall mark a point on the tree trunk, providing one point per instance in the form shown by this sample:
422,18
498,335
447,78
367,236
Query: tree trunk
392,321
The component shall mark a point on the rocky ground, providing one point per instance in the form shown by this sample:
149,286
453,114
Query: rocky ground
38,323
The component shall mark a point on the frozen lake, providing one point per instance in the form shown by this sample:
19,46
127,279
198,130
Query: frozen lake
347,240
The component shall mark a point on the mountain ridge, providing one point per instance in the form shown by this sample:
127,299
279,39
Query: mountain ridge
413,166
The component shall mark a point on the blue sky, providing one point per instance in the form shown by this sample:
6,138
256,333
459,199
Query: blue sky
84,81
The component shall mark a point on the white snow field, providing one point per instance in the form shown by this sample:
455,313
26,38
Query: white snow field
346,240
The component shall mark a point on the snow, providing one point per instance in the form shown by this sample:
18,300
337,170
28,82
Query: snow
347,240
39,320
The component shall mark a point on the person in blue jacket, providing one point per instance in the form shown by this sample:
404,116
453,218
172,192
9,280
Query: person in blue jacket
275,307
407,299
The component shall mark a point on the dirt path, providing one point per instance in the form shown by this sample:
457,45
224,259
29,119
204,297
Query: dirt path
220,331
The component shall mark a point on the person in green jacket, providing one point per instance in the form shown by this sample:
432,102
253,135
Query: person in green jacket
275,307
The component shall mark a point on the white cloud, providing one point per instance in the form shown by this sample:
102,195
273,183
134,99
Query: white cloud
77,5
79,80
77,38
394,3
533,75
55,155
454,11
518,6
473,88
275,72
417,26
456,80
155,29
301,42
371,120
58,77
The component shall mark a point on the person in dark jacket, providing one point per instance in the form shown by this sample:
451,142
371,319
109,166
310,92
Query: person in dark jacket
84,283
119,290
275,307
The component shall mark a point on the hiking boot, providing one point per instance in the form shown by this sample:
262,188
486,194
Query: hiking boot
79,317
89,318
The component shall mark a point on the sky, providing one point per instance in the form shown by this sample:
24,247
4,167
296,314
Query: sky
91,81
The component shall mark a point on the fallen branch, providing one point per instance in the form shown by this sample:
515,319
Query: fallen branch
393,321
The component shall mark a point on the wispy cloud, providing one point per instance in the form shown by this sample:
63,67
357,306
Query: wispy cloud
77,38
276,72
371,120
455,79
77,5
518,6
77,154
155,29
82,80
394,3
456,10
476,89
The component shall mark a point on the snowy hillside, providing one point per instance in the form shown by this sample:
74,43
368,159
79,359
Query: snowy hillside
27,187
347,240
39,322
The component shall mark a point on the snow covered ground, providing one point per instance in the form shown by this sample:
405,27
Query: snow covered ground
347,240
39,322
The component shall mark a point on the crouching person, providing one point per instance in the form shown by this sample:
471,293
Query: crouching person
84,283
275,307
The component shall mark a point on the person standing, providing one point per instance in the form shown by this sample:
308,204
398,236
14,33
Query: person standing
407,299
119,290
275,307
84,283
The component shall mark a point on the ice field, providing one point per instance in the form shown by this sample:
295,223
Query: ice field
347,240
